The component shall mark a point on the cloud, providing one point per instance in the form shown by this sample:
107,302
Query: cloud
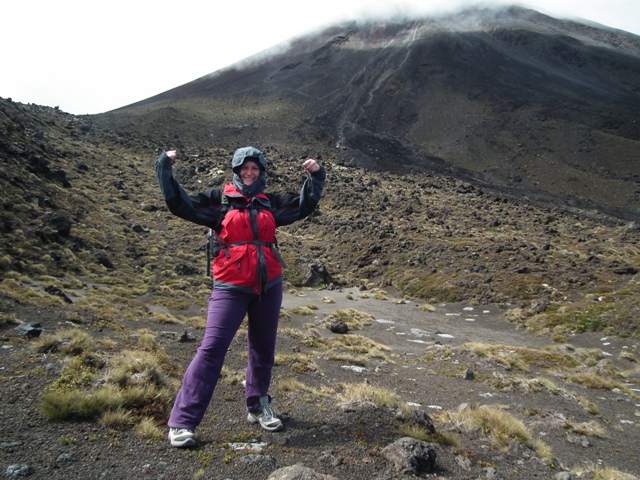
90,57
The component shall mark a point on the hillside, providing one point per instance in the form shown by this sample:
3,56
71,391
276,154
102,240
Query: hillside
510,98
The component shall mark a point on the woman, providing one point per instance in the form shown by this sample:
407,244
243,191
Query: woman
247,274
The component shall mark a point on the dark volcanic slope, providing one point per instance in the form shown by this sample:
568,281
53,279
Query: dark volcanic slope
509,98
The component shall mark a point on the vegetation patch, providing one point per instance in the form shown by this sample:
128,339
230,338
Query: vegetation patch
522,358
500,425
354,319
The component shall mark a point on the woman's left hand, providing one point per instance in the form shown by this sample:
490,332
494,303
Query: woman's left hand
311,165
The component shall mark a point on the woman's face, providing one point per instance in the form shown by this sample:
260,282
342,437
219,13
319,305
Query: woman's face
249,172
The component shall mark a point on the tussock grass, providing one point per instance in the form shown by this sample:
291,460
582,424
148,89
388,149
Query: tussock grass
301,311
500,425
589,406
166,318
586,429
80,404
427,307
613,313
289,385
353,318
420,433
198,322
148,428
8,319
364,392
362,345
593,380
117,418
149,343
135,367
68,341
350,359
542,384
600,472
297,362
522,358
232,378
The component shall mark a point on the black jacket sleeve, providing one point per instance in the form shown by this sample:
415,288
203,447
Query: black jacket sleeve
201,208
288,208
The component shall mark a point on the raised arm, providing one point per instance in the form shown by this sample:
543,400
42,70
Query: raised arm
202,208
290,208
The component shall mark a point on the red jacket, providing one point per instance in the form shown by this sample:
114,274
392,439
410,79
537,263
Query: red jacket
248,258
249,262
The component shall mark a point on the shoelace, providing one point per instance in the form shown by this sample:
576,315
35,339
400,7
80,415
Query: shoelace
267,412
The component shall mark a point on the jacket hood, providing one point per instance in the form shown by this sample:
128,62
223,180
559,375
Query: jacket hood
240,156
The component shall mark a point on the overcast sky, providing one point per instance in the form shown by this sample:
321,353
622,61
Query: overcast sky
92,56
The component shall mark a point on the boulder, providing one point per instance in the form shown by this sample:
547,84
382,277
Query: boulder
410,456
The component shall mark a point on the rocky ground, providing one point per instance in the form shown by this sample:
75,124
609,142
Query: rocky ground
429,365
534,313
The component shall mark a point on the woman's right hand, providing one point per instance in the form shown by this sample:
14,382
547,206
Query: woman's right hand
172,154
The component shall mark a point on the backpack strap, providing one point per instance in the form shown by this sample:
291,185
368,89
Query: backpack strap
215,245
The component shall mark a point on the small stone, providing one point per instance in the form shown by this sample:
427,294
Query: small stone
65,458
18,471
31,330
338,326
186,337
563,476
6,445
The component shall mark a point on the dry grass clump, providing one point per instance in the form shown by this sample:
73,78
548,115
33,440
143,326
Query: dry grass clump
427,307
421,433
590,407
149,342
362,345
614,317
293,385
166,318
135,384
364,392
593,380
148,428
297,362
68,341
289,385
541,384
301,311
586,429
599,472
354,319
500,425
232,378
360,360
80,404
522,358
135,367
117,418
8,319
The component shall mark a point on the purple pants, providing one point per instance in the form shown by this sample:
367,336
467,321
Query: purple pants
227,309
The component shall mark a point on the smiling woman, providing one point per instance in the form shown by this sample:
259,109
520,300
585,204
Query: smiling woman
247,279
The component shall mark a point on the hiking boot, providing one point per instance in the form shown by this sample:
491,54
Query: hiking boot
265,416
182,437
